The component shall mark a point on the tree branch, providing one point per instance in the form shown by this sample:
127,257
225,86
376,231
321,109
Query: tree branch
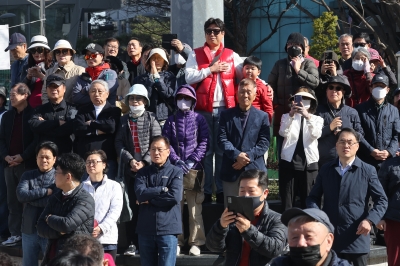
302,9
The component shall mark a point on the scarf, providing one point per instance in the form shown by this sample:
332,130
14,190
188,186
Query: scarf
94,72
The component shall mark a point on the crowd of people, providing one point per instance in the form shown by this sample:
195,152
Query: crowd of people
183,131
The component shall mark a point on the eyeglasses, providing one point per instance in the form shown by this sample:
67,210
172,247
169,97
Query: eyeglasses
215,31
343,143
362,44
336,88
112,46
47,158
63,51
38,50
183,97
158,150
90,56
92,162
97,91
136,98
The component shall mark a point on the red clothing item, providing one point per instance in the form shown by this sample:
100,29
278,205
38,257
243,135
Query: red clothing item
205,89
36,95
360,86
246,249
392,242
94,72
263,99
135,136
109,258
316,62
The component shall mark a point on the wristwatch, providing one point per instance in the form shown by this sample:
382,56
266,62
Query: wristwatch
165,189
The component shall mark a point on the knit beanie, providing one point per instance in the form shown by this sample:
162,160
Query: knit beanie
296,37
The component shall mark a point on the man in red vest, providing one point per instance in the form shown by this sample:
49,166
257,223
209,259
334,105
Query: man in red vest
212,70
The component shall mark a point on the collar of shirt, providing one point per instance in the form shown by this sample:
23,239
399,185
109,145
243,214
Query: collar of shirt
344,170
379,106
68,192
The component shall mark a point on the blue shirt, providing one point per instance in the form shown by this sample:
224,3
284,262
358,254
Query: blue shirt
18,70
347,167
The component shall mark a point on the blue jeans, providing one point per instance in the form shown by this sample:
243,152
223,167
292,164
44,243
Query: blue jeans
3,204
165,246
32,244
213,150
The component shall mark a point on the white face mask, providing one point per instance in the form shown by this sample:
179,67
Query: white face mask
179,60
306,103
379,93
184,105
358,65
137,109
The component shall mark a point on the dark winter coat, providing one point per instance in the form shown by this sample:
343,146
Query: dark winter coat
381,129
29,138
286,261
50,128
346,202
284,81
160,93
32,192
327,141
360,86
86,137
267,239
188,134
162,215
389,175
71,216
147,126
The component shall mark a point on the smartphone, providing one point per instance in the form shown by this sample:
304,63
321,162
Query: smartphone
298,99
328,58
338,129
166,41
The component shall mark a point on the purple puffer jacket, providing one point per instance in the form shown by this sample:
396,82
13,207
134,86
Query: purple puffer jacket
191,131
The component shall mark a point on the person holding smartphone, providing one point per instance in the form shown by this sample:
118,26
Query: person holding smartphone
298,165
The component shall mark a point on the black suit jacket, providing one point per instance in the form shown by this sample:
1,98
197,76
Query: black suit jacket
87,136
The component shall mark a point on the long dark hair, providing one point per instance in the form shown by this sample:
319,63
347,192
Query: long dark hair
48,60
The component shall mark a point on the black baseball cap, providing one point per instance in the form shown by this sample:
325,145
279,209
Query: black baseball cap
314,213
380,78
15,39
93,48
55,79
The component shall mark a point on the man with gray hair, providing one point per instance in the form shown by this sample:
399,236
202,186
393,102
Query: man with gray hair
310,239
243,137
306,55
17,149
95,126
346,48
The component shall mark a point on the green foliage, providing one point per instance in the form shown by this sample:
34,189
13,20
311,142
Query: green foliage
324,36
149,30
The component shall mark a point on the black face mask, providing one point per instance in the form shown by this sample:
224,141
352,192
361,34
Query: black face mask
256,201
305,256
294,51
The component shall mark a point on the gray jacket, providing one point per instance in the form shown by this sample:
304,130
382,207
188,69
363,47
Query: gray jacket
284,81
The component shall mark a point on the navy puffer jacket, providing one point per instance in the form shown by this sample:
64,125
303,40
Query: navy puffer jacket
286,261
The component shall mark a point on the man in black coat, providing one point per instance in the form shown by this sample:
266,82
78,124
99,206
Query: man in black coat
380,121
253,242
53,121
17,149
69,211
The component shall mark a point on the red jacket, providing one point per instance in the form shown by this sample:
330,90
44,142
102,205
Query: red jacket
263,101
360,86
205,88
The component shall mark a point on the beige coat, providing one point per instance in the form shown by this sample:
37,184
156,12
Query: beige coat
71,73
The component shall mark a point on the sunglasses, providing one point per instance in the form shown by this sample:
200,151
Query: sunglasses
362,44
38,50
90,56
63,51
336,88
215,31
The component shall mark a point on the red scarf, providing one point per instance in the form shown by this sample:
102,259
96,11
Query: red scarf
94,72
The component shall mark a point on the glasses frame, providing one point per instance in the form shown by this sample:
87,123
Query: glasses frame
39,50
343,143
331,87
213,31
95,163
362,44
61,51
91,56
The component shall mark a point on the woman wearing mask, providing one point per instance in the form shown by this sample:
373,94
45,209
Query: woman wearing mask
64,66
160,84
39,60
359,76
107,196
188,135
298,166
97,68
133,138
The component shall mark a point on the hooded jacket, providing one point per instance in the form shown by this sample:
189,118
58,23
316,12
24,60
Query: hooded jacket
187,132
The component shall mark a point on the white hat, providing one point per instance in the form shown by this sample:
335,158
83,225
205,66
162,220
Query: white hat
159,51
63,44
39,41
137,89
